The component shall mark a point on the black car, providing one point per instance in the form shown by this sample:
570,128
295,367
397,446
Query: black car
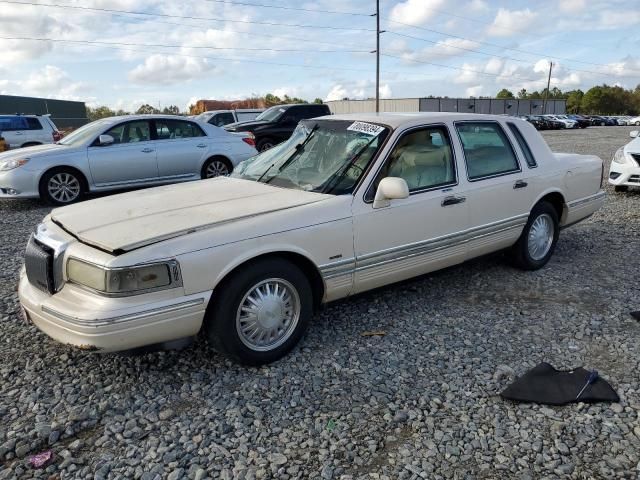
601,121
583,122
276,124
537,122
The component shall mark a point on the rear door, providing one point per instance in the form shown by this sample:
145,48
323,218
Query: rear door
500,188
14,130
39,130
131,159
181,146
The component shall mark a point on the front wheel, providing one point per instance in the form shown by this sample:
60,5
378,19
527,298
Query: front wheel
538,239
61,186
261,312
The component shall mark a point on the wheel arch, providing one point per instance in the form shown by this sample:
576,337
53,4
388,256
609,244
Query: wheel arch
214,156
83,176
557,200
30,144
302,261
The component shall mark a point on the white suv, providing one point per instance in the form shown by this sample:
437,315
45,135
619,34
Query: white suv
28,130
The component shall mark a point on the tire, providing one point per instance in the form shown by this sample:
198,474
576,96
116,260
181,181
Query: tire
637,124
216,167
265,144
225,324
62,186
621,188
529,253
602,124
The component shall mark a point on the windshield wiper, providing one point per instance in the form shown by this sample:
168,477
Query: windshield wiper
299,148
332,181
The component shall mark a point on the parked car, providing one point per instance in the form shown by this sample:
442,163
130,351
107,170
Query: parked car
634,121
349,203
624,171
601,121
582,122
550,123
220,118
28,130
121,152
537,122
564,121
276,124
623,119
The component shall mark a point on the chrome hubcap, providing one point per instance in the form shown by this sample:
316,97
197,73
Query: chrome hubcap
217,168
268,314
64,187
541,236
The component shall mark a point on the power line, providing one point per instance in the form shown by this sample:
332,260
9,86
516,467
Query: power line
282,7
96,42
185,17
497,45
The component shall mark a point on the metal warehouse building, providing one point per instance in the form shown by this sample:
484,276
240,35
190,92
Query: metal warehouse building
64,113
498,106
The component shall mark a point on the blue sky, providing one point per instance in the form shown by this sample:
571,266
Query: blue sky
230,49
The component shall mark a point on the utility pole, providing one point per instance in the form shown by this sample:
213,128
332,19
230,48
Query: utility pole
546,94
378,32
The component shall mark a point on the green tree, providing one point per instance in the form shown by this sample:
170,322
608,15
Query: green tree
318,101
523,94
504,93
574,101
171,110
146,108
99,112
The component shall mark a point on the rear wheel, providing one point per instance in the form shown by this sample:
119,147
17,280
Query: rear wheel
621,188
261,312
62,186
265,144
216,167
538,240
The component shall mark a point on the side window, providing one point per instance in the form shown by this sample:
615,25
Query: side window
131,132
294,115
34,123
176,129
13,123
423,158
487,150
524,146
222,119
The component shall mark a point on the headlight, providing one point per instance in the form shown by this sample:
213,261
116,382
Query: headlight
623,158
124,281
11,164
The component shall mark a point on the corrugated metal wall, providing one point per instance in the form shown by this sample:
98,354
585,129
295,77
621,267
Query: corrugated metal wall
497,106
64,113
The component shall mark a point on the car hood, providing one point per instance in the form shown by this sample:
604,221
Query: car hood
248,125
33,152
122,223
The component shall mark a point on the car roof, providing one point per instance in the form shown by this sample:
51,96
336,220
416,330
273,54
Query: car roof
146,116
397,119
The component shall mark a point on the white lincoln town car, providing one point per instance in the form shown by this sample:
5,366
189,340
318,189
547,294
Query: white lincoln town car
347,204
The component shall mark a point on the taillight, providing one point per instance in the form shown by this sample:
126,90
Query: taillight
250,140
57,136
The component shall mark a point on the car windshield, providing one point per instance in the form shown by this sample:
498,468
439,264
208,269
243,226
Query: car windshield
85,134
271,114
204,117
328,156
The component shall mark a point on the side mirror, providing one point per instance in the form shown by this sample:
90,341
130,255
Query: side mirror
104,140
390,188
633,133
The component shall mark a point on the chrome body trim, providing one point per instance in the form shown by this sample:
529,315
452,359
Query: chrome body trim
58,245
586,200
82,322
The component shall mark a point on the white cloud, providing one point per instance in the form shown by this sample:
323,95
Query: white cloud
509,22
415,12
358,91
475,91
451,47
572,6
163,69
477,6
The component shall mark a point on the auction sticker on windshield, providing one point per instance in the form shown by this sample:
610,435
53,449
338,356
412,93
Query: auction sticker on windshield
367,128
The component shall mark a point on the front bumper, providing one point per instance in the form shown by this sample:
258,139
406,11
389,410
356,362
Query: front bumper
624,175
86,320
19,183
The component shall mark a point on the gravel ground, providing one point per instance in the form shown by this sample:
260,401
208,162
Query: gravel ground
420,402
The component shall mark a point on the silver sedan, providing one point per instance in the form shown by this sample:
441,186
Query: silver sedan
122,152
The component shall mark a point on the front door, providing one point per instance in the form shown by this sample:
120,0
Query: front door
421,233
131,159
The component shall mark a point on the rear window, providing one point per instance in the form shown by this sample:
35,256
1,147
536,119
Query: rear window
34,123
524,146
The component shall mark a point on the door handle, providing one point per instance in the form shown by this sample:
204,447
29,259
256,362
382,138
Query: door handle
520,184
17,133
452,200
201,145
147,150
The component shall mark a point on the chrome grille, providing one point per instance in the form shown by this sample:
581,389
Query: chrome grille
38,262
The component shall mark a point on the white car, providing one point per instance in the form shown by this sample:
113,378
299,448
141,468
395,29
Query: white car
349,203
564,120
634,121
122,152
624,171
28,130
220,118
